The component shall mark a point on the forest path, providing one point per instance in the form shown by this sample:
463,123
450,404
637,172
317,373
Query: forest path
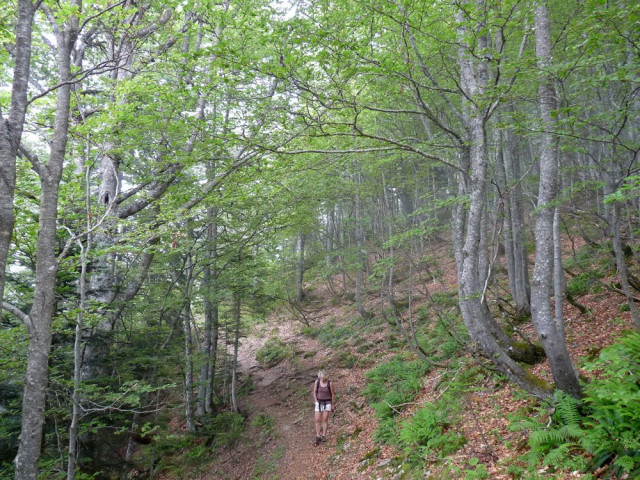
284,394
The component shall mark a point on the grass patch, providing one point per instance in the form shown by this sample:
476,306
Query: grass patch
266,468
273,352
332,335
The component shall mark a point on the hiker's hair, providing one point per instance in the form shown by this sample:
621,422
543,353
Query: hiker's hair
321,374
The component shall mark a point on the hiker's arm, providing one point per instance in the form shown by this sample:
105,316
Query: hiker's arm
315,389
333,396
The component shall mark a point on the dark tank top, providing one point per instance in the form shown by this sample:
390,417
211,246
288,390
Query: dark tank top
324,393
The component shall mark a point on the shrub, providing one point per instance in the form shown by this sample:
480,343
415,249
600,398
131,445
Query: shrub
227,429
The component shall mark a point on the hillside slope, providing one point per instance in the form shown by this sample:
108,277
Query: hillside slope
282,393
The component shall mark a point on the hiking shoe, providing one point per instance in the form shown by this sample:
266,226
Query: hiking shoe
323,438
317,441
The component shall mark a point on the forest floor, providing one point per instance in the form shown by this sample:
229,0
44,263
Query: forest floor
283,393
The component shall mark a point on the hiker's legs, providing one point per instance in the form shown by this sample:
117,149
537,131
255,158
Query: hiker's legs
325,423
319,423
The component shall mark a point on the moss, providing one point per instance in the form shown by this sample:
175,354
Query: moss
529,353
371,454
538,382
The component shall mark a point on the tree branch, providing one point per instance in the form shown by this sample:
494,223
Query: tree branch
23,317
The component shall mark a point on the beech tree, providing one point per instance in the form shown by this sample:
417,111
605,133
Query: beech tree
12,126
173,163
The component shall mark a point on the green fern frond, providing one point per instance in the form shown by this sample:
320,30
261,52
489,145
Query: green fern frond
567,409
557,456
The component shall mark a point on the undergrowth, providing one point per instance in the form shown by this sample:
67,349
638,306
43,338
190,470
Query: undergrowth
597,434
273,352
429,434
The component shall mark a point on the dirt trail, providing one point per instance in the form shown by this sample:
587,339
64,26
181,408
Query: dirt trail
284,393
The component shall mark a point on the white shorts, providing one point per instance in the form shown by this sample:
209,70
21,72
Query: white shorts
325,407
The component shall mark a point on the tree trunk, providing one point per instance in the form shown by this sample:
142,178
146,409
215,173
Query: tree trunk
559,284
188,366
551,338
44,301
360,253
11,130
300,267
621,264
517,264
476,316
211,324
236,344
77,358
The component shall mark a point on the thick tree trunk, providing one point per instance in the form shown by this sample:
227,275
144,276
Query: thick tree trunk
552,340
11,130
479,322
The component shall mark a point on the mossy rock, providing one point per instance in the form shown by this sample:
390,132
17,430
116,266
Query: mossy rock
528,353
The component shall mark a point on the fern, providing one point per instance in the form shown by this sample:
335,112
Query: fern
551,445
614,402
604,426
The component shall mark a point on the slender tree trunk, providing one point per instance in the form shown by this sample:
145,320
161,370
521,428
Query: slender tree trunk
44,301
11,130
188,366
236,344
517,264
300,267
211,323
126,465
551,338
621,263
77,355
360,253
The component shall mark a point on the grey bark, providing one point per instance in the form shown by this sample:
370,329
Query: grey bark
552,340
11,129
467,227
44,303
188,365
301,241
515,249
211,323
621,264
236,345
188,342
76,411
360,252
559,284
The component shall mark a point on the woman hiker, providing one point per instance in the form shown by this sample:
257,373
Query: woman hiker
324,396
